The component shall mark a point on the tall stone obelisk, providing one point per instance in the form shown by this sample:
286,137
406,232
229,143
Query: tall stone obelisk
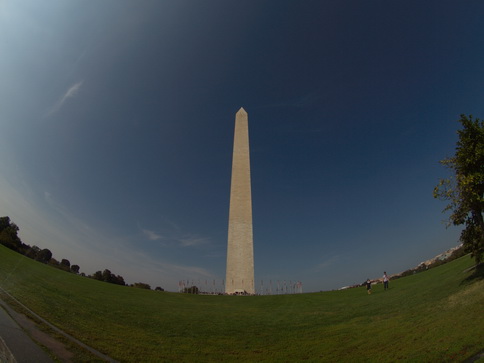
240,248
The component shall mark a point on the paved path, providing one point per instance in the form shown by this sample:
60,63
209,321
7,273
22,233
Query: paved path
16,345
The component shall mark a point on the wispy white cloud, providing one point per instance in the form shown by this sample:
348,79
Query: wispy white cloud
173,236
328,263
190,241
63,212
153,267
151,235
70,93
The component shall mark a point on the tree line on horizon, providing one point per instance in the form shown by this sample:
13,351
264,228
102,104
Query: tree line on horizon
464,191
10,239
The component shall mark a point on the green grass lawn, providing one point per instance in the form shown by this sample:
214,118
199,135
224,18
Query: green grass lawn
433,316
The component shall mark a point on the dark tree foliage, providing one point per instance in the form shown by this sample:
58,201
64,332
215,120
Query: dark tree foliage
9,238
98,275
44,256
32,252
4,223
65,265
191,290
465,188
8,235
109,277
119,280
142,285
53,262
157,288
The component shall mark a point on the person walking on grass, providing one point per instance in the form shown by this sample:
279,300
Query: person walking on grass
385,280
368,286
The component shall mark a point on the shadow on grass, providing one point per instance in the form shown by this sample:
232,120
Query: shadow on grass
477,274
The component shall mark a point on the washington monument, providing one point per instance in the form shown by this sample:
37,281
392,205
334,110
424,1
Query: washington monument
240,247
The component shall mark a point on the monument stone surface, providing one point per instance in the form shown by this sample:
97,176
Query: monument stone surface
240,246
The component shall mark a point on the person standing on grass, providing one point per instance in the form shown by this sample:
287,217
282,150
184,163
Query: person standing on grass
368,286
385,280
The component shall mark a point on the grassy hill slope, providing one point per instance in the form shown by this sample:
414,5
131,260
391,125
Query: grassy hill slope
435,315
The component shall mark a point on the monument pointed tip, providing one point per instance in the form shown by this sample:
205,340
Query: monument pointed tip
242,110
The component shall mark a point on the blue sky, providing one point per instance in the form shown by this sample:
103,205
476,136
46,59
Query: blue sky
117,122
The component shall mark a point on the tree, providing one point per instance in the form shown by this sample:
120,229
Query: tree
465,188
44,255
75,269
54,262
142,285
107,276
8,234
65,265
119,280
4,223
98,275
32,252
65,262
191,290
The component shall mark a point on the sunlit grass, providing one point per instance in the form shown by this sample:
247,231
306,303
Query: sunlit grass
436,315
